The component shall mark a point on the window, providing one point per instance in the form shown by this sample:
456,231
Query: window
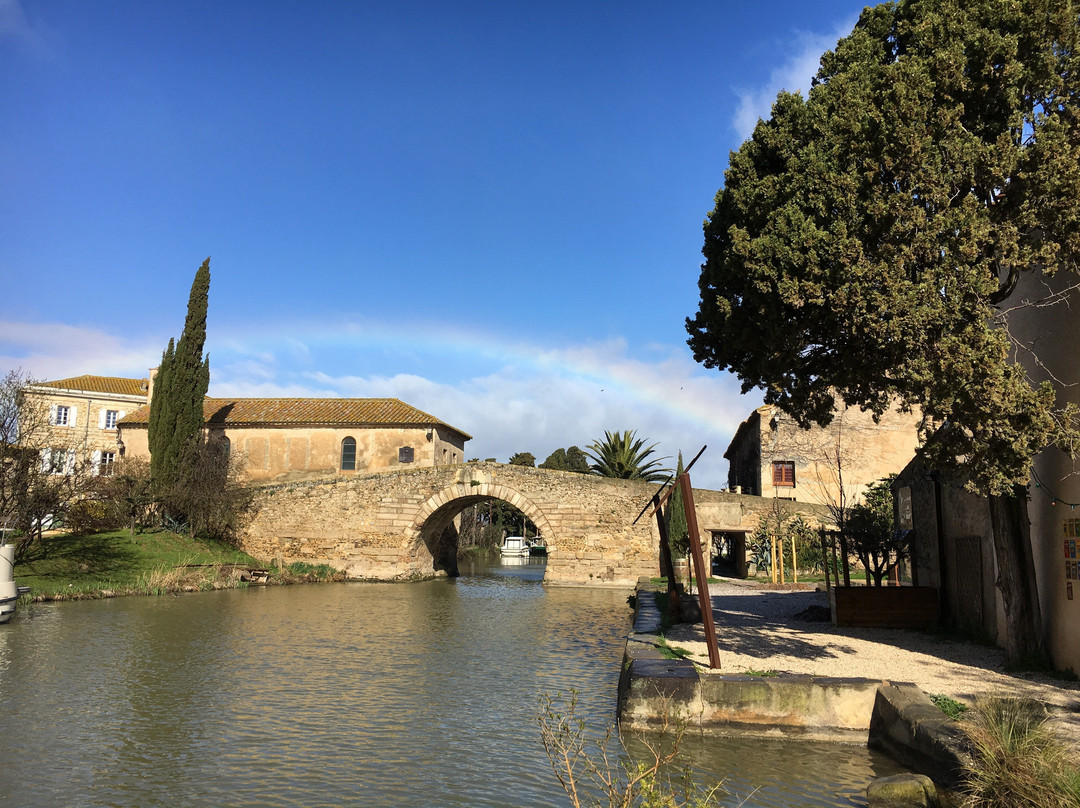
105,466
57,461
61,416
111,417
348,454
783,473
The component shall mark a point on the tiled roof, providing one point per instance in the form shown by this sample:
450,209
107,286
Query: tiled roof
305,412
110,385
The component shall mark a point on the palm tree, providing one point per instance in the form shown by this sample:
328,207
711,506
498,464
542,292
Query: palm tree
623,455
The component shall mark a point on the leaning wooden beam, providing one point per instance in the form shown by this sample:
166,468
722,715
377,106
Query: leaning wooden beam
700,569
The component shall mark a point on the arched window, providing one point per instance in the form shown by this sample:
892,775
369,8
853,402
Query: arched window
226,445
348,454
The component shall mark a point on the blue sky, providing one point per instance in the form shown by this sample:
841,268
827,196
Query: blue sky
491,210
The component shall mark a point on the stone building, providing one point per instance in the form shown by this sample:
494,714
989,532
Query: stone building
81,417
101,418
772,456
289,439
953,534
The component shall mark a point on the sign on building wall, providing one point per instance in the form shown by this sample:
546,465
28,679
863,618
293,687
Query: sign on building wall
1071,531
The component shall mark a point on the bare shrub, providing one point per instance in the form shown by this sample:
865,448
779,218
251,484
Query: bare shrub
587,773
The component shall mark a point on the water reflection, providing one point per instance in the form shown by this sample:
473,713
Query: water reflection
340,694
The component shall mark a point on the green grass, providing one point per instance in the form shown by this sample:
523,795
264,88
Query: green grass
951,707
763,674
670,652
68,567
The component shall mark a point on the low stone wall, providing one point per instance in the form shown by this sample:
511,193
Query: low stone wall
908,727
899,719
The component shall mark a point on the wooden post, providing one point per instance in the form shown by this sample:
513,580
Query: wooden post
825,554
702,572
844,559
794,561
780,559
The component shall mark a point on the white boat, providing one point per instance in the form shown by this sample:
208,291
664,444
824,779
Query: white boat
9,592
514,547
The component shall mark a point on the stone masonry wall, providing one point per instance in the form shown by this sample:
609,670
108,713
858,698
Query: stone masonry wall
381,526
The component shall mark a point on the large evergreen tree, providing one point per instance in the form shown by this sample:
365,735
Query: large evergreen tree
176,408
867,238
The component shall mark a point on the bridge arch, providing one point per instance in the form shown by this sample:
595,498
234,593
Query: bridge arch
432,526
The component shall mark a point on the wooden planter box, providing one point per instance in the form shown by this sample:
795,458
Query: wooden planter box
884,606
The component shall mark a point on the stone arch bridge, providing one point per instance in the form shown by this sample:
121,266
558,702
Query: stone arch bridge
399,525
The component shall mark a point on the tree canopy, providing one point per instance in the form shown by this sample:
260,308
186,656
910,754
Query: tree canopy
572,459
866,238
872,533
625,456
522,459
868,242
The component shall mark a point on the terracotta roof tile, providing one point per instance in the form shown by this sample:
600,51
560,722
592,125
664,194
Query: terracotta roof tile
306,412
111,385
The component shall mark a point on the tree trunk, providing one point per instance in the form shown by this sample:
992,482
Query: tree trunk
1025,639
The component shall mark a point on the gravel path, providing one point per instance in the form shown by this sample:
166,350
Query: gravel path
758,630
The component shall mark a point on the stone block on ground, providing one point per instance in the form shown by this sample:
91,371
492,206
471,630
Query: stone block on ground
902,791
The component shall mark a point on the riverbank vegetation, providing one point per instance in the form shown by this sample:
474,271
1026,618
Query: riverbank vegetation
65,566
593,775
1016,759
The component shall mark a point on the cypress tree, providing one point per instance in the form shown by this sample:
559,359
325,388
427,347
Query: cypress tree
678,533
176,409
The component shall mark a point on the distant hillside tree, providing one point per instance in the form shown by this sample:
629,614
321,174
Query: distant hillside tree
176,408
626,457
572,459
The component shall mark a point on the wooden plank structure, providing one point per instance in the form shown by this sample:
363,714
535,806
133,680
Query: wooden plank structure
701,570
872,606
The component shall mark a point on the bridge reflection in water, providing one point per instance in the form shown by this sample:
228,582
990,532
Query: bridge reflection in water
337,694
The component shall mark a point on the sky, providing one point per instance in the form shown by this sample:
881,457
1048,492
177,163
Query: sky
490,210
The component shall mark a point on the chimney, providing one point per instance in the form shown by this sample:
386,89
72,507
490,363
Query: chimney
150,384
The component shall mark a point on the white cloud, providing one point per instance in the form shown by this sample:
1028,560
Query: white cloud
794,75
566,397
537,399
57,351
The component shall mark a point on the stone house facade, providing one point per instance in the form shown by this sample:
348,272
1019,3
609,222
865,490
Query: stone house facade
102,418
80,417
772,456
292,439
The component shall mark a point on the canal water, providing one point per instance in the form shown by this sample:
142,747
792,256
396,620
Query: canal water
340,695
